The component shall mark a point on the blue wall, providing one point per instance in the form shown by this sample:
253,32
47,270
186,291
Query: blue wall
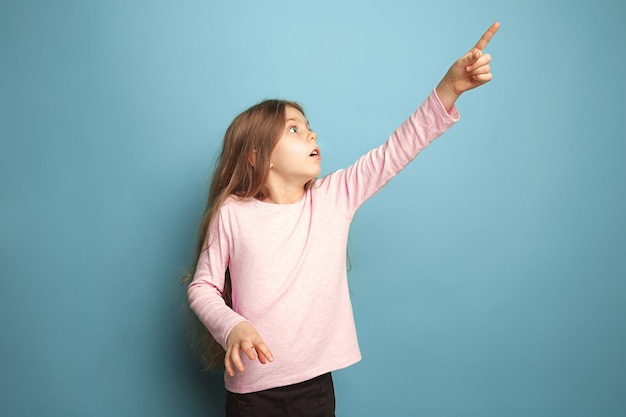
488,279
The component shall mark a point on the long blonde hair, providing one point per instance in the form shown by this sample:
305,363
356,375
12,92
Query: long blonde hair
253,132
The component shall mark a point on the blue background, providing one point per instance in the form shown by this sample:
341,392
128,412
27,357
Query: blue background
488,279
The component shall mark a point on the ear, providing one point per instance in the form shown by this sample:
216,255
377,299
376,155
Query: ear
252,157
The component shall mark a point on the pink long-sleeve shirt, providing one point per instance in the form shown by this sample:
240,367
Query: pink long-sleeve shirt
288,263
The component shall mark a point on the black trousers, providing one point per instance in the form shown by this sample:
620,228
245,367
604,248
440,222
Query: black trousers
312,398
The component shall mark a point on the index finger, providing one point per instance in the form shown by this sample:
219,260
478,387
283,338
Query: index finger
484,40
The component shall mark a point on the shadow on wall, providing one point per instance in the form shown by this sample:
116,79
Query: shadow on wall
207,389
204,391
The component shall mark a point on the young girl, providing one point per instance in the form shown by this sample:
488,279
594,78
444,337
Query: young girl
270,281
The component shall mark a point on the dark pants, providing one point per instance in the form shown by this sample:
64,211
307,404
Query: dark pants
312,398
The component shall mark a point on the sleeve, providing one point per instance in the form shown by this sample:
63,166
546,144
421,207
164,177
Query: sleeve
350,187
205,290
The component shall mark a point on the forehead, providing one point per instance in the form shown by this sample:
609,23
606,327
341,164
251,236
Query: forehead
294,115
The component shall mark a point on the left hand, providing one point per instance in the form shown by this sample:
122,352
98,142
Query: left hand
468,72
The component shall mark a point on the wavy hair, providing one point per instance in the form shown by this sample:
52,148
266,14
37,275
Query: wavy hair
237,173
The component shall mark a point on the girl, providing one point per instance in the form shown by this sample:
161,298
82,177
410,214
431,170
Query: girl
270,281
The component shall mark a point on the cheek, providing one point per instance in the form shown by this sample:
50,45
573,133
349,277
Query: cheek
278,157
284,152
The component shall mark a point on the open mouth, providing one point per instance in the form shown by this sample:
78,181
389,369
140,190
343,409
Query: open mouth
315,152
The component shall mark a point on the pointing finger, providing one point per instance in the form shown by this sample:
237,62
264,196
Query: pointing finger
484,40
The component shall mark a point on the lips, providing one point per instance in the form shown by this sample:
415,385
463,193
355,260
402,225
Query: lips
315,153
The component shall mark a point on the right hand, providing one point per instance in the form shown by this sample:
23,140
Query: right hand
244,338
468,72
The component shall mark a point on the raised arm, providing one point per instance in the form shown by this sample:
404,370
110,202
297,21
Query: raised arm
468,72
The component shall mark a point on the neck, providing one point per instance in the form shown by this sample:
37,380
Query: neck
282,196
284,191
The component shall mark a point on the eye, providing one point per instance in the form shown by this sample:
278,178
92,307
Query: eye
293,129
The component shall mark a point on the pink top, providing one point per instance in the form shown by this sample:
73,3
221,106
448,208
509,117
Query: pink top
288,263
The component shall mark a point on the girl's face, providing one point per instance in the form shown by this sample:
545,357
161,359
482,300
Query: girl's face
296,158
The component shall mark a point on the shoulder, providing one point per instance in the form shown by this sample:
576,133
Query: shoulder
327,180
330,189
232,206
232,202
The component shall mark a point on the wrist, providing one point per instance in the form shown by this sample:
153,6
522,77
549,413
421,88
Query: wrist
447,95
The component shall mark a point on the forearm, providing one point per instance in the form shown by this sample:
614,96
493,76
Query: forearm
206,302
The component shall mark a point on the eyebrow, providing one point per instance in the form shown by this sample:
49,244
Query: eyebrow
294,119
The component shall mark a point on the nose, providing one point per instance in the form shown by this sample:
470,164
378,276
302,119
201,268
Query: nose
312,136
